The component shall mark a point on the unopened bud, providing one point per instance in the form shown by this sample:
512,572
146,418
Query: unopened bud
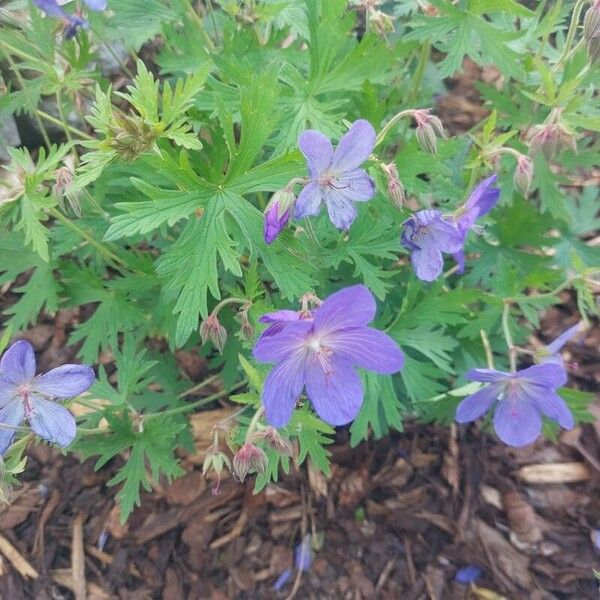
591,31
395,189
523,174
273,440
381,23
211,329
552,136
67,199
249,459
429,128
277,214
246,327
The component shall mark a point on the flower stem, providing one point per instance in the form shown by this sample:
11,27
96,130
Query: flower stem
393,121
254,423
192,405
512,351
197,387
419,72
227,301
55,121
489,357
571,33
63,119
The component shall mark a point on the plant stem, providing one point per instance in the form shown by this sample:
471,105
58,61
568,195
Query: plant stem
196,17
419,72
227,301
55,121
188,407
197,387
311,233
512,351
254,423
386,128
489,357
571,33
63,119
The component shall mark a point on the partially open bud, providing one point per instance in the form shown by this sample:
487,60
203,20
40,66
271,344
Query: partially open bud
380,23
591,31
215,461
395,189
523,174
552,136
271,437
249,459
277,214
245,325
429,128
60,190
132,137
211,329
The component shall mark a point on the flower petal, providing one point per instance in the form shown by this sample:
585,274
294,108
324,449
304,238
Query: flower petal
65,381
484,196
341,210
309,201
550,404
96,5
355,146
517,422
51,8
447,237
555,346
459,257
280,315
18,363
282,389
318,151
486,375
12,414
367,348
548,375
273,348
477,404
8,391
356,185
52,422
352,306
337,396
427,261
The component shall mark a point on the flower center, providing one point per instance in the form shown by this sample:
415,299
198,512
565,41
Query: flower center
24,391
321,353
329,179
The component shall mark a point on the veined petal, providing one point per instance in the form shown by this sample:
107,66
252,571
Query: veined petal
96,5
447,237
427,261
280,315
356,186
366,348
353,306
459,257
355,146
309,201
484,196
8,391
477,404
12,415
551,404
52,422
486,375
336,396
65,381
273,348
564,337
282,389
549,375
341,210
517,421
318,151
18,363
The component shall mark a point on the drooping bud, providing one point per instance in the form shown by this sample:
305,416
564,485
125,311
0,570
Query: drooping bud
249,459
380,22
215,461
395,189
271,437
429,128
523,174
277,214
552,136
245,325
211,329
591,31
60,190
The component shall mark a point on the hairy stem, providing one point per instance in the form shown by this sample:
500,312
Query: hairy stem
512,351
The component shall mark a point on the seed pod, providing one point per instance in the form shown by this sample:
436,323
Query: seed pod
211,329
523,174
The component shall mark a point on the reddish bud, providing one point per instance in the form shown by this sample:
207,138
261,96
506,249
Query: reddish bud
552,136
429,128
249,459
591,31
271,437
395,189
211,329
523,174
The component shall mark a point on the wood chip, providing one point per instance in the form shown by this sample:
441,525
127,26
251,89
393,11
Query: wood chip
38,541
78,559
570,472
16,559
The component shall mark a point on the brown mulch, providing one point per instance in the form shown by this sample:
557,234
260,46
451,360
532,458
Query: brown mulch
396,519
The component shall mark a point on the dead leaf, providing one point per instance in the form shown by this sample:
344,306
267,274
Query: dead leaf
435,581
525,533
568,472
186,489
317,481
23,502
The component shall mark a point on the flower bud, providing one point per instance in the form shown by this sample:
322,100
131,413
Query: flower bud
381,23
523,174
277,214
215,461
591,31
271,437
551,137
429,128
211,329
249,458
60,190
395,189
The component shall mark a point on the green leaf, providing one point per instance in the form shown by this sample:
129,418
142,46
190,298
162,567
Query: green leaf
313,435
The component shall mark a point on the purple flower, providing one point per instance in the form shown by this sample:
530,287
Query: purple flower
72,22
468,574
335,176
303,554
522,398
23,395
282,580
551,352
277,214
426,235
321,353
480,202
96,5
